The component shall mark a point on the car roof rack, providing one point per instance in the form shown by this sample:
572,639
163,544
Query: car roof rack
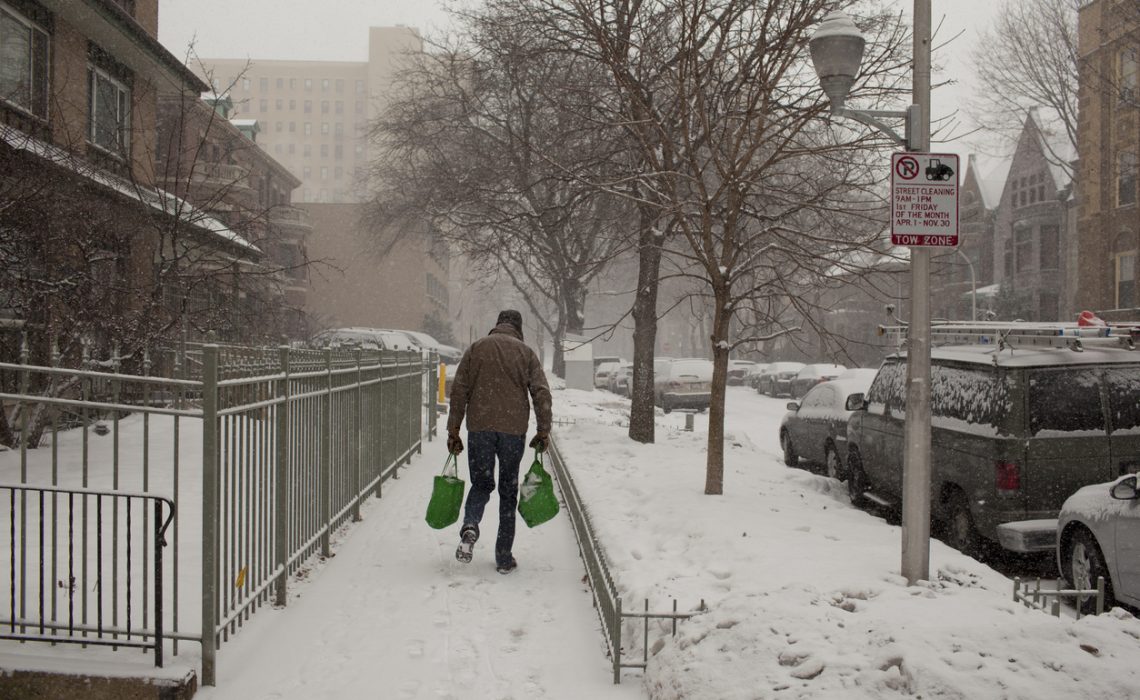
1024,334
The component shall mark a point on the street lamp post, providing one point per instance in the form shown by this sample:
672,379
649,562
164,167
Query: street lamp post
836,51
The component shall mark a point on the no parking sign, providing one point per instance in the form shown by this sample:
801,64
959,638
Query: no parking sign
924,199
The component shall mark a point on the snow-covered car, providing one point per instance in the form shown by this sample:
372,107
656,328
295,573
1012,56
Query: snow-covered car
682,384
777,378
813,374
1099,535
602,373
816,427
754,373
621,378
360,338
737,370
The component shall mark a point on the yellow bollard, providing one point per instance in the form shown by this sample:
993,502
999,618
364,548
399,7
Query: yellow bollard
442,383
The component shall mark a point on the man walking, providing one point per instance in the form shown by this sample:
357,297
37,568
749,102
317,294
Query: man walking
491,389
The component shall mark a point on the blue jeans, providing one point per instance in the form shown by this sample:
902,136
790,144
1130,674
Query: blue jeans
482,449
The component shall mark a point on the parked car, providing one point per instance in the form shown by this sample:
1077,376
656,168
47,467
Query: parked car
867,374
754,373
737,370
620,379
682,383
816,427
606,358
602,373
1099,535
777,378
360,338
1014,432
810,375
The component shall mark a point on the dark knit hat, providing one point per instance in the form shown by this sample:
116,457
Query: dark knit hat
512,317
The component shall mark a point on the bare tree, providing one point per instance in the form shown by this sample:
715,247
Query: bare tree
488,141
1028,59
733,135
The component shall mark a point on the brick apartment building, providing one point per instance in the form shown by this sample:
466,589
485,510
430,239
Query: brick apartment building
1109,141
91,245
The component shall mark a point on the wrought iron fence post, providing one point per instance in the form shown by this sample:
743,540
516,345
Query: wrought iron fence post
209,512
159,541
359,441
325,487
281,476
617,641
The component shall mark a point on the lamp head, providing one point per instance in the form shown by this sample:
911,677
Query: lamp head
836,52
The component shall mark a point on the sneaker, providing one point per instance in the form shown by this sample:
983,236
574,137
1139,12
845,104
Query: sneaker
507,567
467,537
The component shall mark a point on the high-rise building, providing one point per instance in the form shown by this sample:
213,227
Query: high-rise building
314,115
314,118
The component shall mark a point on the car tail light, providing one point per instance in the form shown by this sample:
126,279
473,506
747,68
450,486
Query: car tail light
1007,477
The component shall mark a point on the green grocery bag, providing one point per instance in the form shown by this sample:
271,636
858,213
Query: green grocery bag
537,502
446,496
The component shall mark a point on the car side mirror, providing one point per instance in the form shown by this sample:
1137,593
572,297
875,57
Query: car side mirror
855,403
793,406
1125,490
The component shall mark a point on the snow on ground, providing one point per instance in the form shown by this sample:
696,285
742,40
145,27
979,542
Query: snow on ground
804,594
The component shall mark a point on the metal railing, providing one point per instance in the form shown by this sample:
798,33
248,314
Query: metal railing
265,451
606,599
1032,595
66,548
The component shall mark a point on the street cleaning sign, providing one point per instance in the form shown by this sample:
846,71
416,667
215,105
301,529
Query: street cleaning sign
924,200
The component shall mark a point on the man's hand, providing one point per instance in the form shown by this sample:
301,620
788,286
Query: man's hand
540,440
454,443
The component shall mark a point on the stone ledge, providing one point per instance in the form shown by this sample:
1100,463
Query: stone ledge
43,685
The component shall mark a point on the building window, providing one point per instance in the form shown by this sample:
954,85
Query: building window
1126,179
245,84
324,173
308,83
339,85
324,150
339,107
292,83
108,112
280,83
280,104
263,105
278,126
339,130
292,105
308,106
307,150
23,63
308,128
359,87
263,84
306,172
1023,244
325,128
1125,264
1050,257
338,151
1129,74
292,127
292,147
338,172
324,84
359,107
324,106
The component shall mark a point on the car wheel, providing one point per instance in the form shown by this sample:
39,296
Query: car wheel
834,466
856,478
1084,562
790,457
959,526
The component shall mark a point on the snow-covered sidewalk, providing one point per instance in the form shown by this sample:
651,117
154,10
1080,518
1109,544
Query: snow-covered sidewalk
394,615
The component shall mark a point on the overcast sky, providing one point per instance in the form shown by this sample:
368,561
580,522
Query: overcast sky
336,30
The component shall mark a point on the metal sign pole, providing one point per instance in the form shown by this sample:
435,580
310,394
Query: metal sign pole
916,457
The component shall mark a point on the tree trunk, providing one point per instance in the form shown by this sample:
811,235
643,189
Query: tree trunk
714,471
641,414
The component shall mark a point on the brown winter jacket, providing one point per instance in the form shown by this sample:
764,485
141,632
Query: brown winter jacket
492,382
